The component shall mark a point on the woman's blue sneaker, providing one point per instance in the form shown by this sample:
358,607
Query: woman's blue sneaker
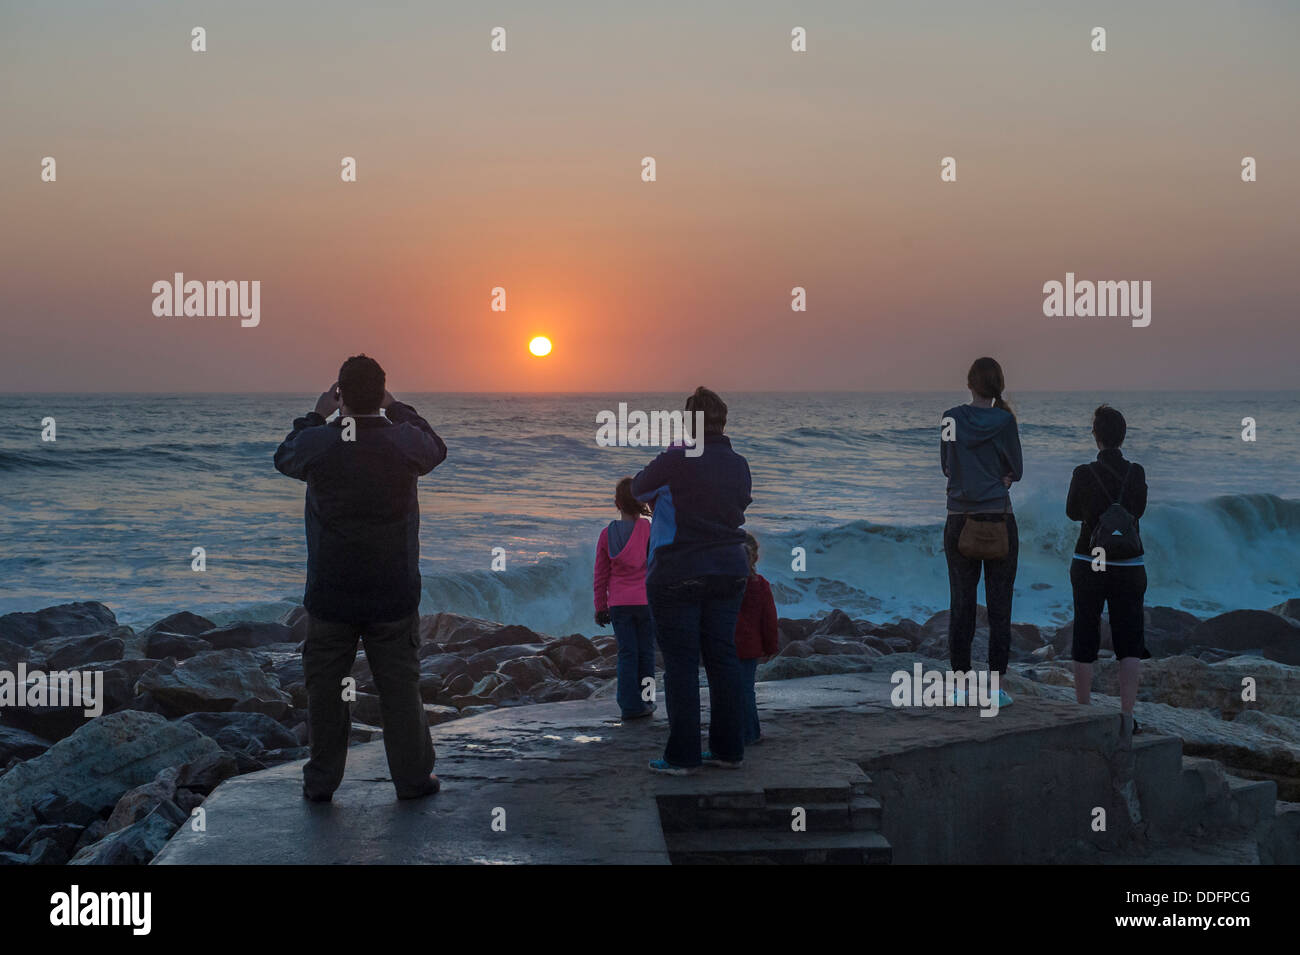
1004,699
711,760
668,769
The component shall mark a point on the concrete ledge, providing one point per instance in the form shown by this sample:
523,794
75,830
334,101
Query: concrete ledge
572,780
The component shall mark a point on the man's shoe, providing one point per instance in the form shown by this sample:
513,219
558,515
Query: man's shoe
326,797
638,715
711,760
430,789
666,768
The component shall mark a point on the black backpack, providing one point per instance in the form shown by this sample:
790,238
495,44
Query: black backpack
1116,530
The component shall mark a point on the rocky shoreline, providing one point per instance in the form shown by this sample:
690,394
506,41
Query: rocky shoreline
188,704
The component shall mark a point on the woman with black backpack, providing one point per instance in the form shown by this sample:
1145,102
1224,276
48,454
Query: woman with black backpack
1108,495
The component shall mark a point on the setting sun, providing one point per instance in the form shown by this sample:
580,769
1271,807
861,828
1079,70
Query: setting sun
540,346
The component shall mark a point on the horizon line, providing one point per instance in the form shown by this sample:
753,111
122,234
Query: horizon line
738,391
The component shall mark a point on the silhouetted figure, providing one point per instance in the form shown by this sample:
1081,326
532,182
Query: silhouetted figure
619,590
1109,495
981,461
756,638
363,574
695,586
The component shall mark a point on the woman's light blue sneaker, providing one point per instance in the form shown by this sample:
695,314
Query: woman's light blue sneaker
1004,699
711,760
668,769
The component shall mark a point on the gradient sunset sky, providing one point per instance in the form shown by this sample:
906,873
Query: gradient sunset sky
523,170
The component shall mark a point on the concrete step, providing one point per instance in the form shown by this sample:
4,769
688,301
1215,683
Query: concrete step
866,814
826,809
818,816
1165,797
777,847
742,799
796,795
1279,837
860,814
1253,800
1157,759
1205,779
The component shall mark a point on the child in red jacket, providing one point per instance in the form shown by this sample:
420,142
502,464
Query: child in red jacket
755,637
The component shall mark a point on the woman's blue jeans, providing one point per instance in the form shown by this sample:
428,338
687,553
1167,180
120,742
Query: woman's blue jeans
636,656
696,619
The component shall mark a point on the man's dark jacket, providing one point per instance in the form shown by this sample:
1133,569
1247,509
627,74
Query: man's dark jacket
363,516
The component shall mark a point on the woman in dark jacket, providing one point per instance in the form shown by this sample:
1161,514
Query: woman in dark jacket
1108,574
695,584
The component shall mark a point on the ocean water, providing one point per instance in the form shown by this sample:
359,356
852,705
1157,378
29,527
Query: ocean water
111,510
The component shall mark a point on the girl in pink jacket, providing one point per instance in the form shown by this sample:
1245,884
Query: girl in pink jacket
619,585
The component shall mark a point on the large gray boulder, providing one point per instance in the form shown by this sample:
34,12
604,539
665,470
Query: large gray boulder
162,644
1167,633
485,661
527,672
65,620
791,668
96,765
569,653
1241,631
456,633
444,665
247,635
819,643
216,681
184,624
65,653
791,631
53,723
137,803
839,624
249,733
11,654
1288,608
20,744
136,844
1191,683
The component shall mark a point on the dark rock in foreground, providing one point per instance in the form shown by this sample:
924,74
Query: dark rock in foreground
1273,635
237,697
136,844
94,766
216,681
65,620
247,636
162,644
17,743
185,624
65,653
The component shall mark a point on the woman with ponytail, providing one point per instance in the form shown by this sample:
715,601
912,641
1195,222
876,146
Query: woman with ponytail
979,450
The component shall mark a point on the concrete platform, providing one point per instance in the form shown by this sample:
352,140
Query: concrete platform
573,784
